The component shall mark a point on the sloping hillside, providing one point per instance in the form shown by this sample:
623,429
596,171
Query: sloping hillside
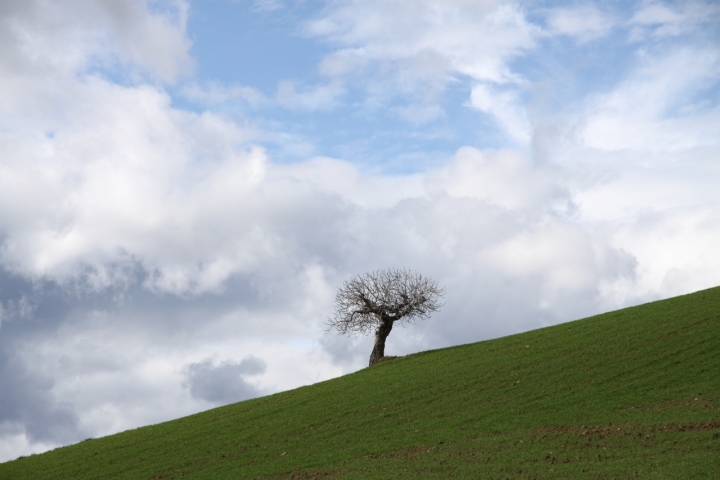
634,392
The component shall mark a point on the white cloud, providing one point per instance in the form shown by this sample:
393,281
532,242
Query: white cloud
289,95
320,97
503,178
117,172
663,20
213,93
676,250
338,178
474,38
414,50
642,184
659,208
507,109
41,36
584,22
657,108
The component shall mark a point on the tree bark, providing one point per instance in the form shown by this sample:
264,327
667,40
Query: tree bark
382,332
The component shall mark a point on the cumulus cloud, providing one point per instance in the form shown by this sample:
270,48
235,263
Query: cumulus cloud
341,178
504,178
97,187
674,249
225,382
41,36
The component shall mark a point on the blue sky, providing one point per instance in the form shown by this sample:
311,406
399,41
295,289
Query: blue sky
185,184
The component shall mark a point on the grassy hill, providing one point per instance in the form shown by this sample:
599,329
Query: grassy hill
631,393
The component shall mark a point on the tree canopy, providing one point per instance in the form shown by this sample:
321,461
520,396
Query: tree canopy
375,300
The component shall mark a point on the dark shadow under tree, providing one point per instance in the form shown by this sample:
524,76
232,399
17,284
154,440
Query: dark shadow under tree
376,300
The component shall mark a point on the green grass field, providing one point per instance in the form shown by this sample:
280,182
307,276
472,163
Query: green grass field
629,394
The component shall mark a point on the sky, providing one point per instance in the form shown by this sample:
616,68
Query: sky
185,184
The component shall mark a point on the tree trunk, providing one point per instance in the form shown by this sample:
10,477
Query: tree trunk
382,332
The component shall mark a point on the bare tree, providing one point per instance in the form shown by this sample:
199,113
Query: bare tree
376,300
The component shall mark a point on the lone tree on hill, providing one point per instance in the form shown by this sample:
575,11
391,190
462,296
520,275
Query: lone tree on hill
376,300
